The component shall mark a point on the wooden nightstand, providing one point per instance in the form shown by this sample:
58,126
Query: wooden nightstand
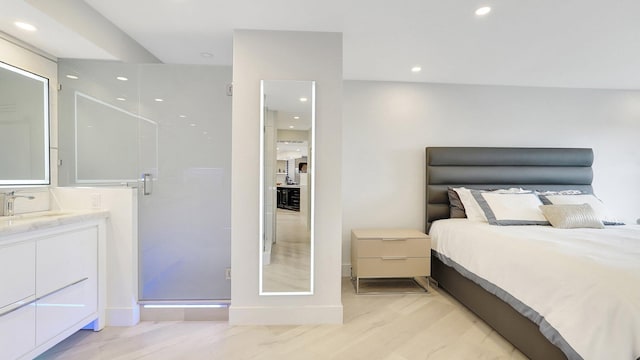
389,253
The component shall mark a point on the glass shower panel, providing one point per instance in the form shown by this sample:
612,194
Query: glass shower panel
108,140
167,130
184,225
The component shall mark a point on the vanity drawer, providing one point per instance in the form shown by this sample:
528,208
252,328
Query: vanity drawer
18,332
17,273
393,266
65,259
392,247
65,308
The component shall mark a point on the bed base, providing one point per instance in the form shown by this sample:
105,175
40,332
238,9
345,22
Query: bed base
514,327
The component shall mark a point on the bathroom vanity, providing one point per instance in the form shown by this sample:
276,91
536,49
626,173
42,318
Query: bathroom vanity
52,279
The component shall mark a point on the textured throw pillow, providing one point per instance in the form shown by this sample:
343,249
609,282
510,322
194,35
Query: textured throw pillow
572,216
456,209
597,205
516,208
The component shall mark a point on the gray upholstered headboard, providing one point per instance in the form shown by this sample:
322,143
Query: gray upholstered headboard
492,168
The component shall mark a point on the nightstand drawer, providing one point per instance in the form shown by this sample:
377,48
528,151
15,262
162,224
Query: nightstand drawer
392,247
394,266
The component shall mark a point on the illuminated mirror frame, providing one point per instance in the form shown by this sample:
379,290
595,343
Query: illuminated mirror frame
312,182
45,141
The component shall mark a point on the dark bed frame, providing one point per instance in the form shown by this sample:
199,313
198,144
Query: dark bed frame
493,168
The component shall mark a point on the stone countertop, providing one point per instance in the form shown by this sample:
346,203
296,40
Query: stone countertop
22,223
289,186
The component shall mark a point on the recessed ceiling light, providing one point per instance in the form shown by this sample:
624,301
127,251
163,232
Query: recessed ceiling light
416,69
206,55
73,77
122,78
290,126
182,116
192,125
483,10
303,99
121,99
205,133
296,117
159,100
297,149
25,26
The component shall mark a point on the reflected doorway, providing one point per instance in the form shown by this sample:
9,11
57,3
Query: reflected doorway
289,263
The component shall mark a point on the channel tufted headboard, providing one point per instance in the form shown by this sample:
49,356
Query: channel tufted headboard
495,167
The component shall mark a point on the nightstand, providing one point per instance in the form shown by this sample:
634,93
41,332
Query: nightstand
389,253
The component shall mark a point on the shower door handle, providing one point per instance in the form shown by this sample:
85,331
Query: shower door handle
147,184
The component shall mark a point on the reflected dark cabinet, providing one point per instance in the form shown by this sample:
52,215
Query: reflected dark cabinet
289,198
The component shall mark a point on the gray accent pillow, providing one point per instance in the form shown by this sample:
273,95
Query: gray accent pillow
456,209
571,216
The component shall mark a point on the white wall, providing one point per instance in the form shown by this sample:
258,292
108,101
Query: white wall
279,55
387,125
18,56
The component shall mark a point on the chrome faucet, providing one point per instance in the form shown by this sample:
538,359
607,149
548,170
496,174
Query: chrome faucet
10,198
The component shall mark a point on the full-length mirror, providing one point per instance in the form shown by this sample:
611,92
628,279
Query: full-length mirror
287,167
24,127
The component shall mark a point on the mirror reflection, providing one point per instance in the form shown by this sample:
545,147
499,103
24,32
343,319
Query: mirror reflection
24,127
287,163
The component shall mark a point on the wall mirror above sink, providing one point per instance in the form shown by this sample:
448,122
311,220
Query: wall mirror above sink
287,163
24,127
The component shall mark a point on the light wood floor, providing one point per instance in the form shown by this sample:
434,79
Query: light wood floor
389,327
290,266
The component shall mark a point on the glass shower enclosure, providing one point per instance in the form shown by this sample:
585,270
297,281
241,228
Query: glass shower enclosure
166,130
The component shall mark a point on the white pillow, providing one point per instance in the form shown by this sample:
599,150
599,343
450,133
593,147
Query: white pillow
511,208
558,192
471,207
597,205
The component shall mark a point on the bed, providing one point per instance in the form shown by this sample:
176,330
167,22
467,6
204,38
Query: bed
535,330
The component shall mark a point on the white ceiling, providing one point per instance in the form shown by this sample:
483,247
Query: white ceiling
569,43
284,97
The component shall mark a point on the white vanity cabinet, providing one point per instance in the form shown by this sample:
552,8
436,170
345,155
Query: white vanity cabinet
66,280
52,280
17,293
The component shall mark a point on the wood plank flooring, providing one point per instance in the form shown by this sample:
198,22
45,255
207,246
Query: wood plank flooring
387,327
290,266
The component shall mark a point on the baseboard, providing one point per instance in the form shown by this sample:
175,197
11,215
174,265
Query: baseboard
346,270
185,314
123,316
285,315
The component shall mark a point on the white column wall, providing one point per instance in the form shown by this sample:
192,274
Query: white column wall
280,55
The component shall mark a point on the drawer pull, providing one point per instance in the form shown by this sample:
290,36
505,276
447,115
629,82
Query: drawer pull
62,288
19,306
394,239
394,258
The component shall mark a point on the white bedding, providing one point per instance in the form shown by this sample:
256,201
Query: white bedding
584,282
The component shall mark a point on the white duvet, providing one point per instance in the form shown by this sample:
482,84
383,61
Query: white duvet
584,282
